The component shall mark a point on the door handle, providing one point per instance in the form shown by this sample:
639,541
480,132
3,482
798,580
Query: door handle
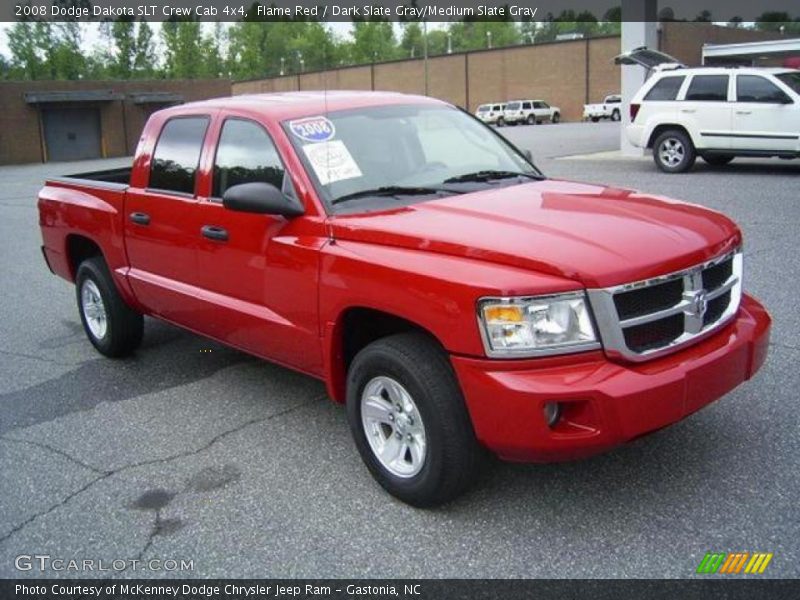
744,112
688,110
213,232
140,218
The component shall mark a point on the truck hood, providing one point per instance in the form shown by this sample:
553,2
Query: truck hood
599,236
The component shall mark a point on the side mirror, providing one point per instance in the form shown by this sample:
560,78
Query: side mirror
261,198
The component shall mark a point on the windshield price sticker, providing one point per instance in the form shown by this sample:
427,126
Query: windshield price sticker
331,161
313,129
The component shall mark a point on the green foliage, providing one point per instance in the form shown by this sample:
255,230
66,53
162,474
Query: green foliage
257,47
778,21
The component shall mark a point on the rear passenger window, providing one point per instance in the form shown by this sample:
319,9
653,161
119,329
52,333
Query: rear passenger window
752,88
708,88
496,107
245,154
526,105
177,154
665,88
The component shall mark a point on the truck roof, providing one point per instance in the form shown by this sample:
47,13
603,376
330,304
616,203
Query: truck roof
285,105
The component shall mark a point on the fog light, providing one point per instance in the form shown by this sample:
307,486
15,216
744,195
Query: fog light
552,412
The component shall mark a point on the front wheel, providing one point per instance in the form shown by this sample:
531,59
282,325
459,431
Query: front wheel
531,120
501,121
556,117
673,152
112,327
409,421
615,116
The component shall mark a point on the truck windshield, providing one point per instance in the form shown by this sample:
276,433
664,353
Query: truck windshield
791,79
387,156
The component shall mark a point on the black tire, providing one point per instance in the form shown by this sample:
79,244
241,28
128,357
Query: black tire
717,160
556,118
615,116
595,119
124,326
452,452
531,120
684,160
501,121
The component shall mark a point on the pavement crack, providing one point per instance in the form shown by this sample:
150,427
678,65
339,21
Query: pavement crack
34,357
58,451
106,474
782,345
55,506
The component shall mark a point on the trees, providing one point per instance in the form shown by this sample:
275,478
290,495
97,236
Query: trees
778,21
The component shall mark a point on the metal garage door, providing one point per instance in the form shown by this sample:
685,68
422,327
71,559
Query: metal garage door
71,133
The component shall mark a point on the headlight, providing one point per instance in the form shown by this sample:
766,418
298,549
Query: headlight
536,325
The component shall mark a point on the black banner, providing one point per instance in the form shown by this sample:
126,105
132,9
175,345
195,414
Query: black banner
393,10
411,589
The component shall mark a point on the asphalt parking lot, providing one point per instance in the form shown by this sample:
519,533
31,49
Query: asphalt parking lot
193,451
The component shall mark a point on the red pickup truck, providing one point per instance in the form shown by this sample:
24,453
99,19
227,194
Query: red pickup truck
449,294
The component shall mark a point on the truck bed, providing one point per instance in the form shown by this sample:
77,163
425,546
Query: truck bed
110,178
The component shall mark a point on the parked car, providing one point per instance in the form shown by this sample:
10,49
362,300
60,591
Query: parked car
450,295
530,112
491,114
716,113
608,109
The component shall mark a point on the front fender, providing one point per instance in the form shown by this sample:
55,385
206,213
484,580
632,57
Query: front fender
436,292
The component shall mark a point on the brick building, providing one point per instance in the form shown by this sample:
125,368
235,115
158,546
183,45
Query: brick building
69,120
61,120
567,74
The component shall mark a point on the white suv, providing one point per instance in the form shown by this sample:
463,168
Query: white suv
717,113
530,112
491,113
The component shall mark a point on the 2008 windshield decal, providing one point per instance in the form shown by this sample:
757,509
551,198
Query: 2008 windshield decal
313,129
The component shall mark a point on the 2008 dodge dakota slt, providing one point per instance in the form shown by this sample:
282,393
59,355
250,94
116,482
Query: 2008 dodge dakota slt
446,291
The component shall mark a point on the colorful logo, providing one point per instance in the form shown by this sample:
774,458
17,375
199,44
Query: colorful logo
734,563
313,129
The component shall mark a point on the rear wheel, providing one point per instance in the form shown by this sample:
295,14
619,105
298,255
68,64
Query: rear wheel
112,327
717,160
673,152
595,119
409,421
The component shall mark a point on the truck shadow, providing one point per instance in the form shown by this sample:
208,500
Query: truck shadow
168,358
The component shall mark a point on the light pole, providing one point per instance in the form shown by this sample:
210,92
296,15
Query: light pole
449,43
301,61
489,39
283,66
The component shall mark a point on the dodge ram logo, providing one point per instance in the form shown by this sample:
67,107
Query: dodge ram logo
698,303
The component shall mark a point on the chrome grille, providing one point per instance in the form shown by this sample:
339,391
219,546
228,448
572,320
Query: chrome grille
642,320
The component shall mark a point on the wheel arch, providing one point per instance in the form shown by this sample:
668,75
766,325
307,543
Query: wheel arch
79,247
659,129
353,329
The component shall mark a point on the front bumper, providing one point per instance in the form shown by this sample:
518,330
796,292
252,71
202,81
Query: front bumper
605,403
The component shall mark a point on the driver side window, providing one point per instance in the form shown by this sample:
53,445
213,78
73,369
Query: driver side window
245,154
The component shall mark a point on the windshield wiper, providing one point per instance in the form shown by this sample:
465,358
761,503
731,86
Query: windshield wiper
488,176
393,190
